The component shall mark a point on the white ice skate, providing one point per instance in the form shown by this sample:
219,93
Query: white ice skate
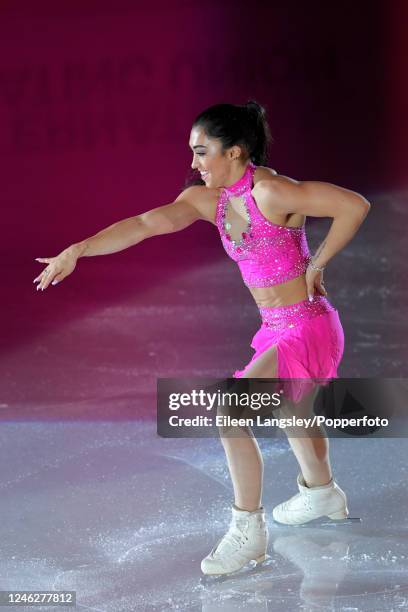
245,540
312,503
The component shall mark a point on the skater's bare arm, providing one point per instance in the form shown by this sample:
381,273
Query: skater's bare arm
125,233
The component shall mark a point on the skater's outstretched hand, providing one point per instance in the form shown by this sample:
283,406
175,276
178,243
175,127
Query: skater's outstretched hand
58,268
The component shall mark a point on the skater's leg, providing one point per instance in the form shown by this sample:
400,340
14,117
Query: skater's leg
242,450
310,445
243,454
245,466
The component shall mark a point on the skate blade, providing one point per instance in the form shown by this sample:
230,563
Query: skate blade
254,566
324,521
349,520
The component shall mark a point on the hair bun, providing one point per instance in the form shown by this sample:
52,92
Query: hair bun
252,105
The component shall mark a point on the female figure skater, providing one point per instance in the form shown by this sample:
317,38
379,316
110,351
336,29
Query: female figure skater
261,219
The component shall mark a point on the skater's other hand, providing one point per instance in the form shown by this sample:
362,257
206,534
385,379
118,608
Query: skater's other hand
314,281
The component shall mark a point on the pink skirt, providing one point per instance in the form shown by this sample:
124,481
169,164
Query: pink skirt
310,343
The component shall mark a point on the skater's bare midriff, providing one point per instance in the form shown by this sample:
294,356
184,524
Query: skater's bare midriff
291,292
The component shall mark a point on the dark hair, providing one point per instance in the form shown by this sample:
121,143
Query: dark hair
233,124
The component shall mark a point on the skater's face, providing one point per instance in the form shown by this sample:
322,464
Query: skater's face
213,164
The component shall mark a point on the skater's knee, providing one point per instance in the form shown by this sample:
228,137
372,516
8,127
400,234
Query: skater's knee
237,431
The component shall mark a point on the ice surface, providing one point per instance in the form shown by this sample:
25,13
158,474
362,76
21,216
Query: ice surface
124,517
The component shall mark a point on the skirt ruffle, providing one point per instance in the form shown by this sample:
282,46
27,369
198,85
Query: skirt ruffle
311,350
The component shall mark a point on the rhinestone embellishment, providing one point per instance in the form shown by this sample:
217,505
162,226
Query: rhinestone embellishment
283,317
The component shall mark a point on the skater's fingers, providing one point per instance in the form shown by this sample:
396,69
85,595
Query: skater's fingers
58,278
321,287
310,289
47,277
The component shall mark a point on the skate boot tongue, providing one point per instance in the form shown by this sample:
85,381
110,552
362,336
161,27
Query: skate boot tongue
246,539
236,534
232,541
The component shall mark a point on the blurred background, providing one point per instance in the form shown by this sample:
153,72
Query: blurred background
96,104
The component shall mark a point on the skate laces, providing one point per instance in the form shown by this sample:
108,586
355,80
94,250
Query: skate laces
234,539
307,501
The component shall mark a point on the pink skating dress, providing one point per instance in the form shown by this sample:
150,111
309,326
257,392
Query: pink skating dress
308,335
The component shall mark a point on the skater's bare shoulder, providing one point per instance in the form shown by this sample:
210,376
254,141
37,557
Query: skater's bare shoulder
263,173
202,199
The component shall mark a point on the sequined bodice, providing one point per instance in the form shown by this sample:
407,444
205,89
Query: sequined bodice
266,253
